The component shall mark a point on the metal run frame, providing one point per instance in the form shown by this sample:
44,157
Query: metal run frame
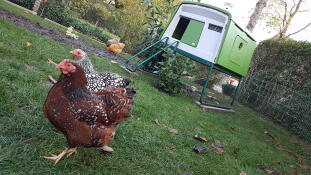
143,61
212,66
203,93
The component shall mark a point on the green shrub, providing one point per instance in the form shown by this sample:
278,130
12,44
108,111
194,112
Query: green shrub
54,11
57,12
228,89
24,3
171,71
80,6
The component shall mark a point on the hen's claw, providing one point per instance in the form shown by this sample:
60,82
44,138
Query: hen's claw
72,151
107,149
56,158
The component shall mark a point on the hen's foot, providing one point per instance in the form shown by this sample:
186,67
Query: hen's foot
57,158
106,149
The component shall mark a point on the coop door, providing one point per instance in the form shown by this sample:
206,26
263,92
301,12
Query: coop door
188,31
238,50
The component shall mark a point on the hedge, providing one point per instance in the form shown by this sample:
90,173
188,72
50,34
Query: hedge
279,85
24,3
57,12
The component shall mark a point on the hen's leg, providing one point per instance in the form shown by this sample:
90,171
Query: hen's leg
106,148
57,158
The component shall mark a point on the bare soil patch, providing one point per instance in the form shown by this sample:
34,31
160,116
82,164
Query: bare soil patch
58,36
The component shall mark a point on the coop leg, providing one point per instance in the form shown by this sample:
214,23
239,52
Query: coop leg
203,93
235,92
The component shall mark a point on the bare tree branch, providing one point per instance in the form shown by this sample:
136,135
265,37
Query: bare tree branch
285,14
309,24
292,8
296,9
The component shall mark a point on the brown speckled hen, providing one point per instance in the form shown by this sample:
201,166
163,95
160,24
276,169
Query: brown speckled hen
86,119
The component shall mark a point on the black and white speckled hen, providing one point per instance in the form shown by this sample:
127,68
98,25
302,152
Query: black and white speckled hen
86,119
97,81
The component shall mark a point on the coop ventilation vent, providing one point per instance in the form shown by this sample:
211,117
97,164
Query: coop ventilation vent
215,28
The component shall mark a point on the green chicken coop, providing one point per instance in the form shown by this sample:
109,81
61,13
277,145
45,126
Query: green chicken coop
208,35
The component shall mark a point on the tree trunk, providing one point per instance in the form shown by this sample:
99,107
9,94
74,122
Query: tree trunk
36,5
260,5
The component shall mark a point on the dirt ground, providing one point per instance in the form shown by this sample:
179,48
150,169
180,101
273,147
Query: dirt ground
58,36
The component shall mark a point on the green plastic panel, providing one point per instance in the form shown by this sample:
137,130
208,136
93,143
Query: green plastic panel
237,50
193,33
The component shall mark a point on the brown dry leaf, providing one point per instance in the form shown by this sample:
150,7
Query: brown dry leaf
305,168
233,129
210,126
293,166
277,143
185,173
157,122
218,143
270,135
172,130
242,173
218,150
202,139
236,150
113,62
199,149
28,44
269,170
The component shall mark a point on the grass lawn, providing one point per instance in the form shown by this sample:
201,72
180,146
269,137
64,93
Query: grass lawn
141,146
44,22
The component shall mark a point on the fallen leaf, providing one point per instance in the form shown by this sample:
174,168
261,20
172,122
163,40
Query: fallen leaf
185,173
269,170
199,149
171,148
270,135
218,150
202,139
305,168
157,122
293,166
219,144
242,173
28,44
113,62
172,130
233,129
210,126
277,142
26,11
236,150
